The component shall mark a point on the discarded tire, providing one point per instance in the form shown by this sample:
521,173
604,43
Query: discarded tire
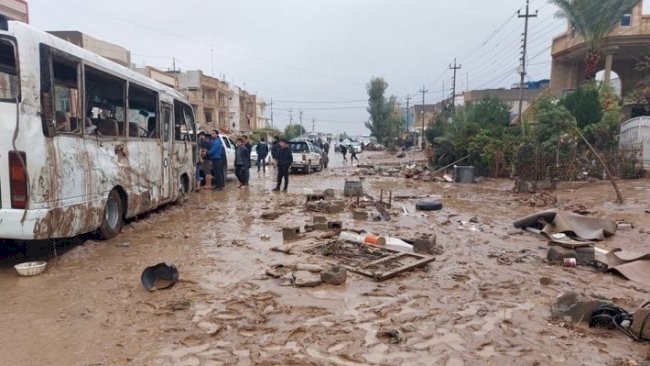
428,206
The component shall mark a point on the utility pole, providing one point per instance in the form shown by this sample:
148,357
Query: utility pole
408,112
174,64
523,63
444,98
271,108
301,129
453,94
423,91
313,125
290,116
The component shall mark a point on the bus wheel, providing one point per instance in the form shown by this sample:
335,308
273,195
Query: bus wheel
113,217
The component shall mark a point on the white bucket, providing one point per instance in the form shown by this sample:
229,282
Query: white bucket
350,236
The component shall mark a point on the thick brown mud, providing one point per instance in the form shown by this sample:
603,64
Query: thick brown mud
480,302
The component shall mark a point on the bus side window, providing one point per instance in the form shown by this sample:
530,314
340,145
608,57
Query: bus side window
143,118
66,102
8,72
105,103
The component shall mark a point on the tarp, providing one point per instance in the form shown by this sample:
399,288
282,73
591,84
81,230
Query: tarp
632,265
558,221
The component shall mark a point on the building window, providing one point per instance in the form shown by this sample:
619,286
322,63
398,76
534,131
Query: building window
626,20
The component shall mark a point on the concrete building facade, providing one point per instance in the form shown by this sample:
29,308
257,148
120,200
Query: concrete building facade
234,113
203,93
15,10
247,111
629,40
160,76
105,49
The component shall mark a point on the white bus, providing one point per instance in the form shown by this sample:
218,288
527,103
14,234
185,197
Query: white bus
84,143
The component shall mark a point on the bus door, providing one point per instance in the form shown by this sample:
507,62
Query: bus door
166,151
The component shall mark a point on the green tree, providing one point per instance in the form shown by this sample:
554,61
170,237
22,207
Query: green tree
593,20
293,131
584,104
385,117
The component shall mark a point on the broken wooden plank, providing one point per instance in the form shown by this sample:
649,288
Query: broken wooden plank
393,273
382,260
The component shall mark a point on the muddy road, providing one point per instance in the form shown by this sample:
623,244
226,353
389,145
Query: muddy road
468,307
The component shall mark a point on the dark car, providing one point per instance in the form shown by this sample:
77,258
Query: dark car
324,158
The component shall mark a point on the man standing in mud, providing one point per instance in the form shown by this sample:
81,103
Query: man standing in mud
242,163
284,159
249,149
216,154
275,147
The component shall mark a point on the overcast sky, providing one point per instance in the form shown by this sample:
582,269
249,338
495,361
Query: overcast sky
318,55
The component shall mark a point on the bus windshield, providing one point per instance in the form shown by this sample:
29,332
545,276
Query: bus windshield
8,71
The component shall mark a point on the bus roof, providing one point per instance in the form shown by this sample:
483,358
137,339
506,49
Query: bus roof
24,31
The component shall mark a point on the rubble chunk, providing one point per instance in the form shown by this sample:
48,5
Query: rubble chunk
306,279
575,307
335,275
290,233
427,245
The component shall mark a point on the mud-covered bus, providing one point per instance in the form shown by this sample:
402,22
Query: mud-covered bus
85,143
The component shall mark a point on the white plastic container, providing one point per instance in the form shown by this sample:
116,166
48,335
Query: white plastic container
350,236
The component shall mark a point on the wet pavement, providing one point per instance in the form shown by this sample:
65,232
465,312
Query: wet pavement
468,307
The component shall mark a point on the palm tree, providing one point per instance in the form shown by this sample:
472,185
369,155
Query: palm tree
593,20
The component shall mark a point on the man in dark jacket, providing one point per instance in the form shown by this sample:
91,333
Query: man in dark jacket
216,154
249,150
242,163
262,150
275,147
284,159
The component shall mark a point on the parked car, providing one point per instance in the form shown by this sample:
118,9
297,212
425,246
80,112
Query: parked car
356,147
254,156
323,155
305,157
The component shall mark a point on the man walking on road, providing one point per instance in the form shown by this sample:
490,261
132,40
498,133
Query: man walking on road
285,159
216,154
344,151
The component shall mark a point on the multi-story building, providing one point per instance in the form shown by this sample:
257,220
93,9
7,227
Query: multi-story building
624,45
203,93
247,111
15,10
166,78
234,108
262,120
108,50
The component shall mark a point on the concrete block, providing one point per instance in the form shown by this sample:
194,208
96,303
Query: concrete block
335,225
290,233
426,244
322,226
360,215
584,255
319,219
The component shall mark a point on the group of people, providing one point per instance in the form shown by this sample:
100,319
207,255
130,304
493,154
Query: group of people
213,160
353,154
